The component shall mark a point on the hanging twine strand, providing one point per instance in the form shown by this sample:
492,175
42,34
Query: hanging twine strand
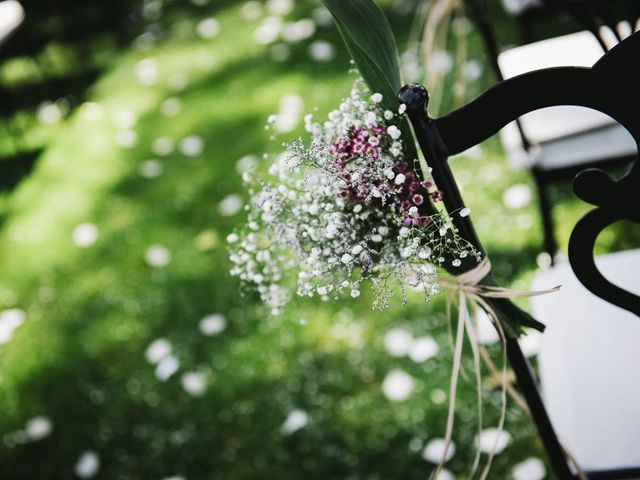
469,290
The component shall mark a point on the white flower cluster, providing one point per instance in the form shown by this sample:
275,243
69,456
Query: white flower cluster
345,209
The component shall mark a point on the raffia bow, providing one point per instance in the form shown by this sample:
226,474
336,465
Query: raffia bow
469,290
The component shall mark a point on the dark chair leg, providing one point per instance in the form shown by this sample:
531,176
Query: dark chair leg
544,203
529,387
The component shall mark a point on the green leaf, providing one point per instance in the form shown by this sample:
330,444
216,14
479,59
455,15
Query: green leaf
372,45
370,41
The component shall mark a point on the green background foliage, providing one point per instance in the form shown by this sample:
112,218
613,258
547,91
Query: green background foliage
91,313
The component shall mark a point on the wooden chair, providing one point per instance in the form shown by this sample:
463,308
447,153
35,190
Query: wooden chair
611,87
556,143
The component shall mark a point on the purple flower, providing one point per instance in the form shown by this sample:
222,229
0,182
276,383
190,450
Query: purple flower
437,196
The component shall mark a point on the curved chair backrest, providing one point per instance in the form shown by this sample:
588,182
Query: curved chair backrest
610,86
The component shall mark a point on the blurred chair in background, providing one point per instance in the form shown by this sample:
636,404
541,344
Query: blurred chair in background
589,364
557,142
589,405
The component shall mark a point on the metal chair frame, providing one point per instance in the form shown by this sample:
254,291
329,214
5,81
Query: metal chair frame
610,86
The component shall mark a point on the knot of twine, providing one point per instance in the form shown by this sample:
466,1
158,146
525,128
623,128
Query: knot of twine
467,286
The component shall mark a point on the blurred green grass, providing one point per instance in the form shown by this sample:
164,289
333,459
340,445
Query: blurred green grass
79,358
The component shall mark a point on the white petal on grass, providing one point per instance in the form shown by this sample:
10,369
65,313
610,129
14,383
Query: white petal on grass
493,440
150,168
192,145
515,7
288,117
298,31
440,62
472,70
126,138
171,107
268,31
251,11
194,383
446,475
88,465
296,420
230,205
485,331
322,51
397,342
530,469
85,234
147,71
178,81
124,119
162,146
91,111
422,349
434,450
38,428
246,163
157,350
398,385
212,324
530,343
49,113
208,28
280,7
167,367
323,17
10,320
517,196
158,256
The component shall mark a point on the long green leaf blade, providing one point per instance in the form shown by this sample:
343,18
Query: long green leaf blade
370,41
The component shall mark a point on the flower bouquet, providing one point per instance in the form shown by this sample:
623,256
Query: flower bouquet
347,208
356,204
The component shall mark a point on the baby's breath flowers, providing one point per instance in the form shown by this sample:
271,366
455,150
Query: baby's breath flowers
346,209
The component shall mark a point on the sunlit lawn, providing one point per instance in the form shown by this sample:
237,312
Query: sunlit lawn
91,313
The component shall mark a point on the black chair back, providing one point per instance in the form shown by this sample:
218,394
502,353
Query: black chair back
610,86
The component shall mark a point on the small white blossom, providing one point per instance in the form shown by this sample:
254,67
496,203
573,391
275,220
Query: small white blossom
394,132
376,97
402,108
400,179
346,259
465,212
296,420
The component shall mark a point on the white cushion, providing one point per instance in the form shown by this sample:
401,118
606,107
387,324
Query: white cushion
561,135
589,363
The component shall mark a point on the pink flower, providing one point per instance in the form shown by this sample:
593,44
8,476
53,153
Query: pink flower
437,196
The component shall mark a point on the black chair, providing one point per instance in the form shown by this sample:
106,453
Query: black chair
557,144
610,86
